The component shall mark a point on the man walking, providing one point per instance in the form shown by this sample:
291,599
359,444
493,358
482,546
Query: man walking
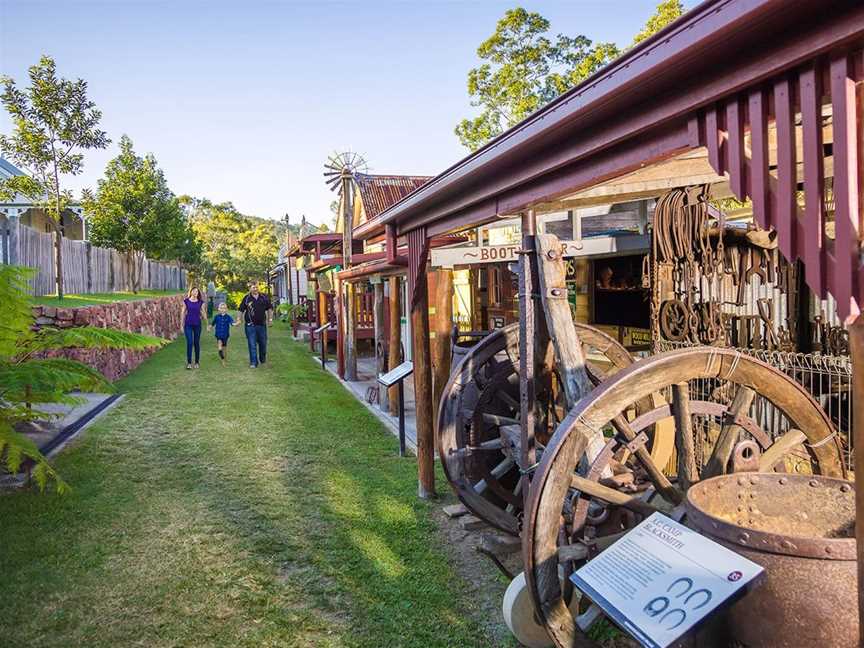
257,316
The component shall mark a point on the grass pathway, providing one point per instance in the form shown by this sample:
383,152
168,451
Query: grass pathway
230,507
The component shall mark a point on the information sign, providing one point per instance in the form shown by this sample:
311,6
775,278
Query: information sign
661,579
395,375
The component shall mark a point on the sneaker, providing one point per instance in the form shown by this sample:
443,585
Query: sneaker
251,366
188,366
196,366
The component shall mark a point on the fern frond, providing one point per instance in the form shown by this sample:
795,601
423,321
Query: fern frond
48,380
86,337
15,447
16,315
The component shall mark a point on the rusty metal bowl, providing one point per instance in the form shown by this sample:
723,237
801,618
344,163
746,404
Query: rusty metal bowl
801,529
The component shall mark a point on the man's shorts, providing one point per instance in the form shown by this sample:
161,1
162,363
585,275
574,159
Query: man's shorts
224,340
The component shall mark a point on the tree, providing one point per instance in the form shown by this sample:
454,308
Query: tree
53,122
29,380
135,213
236,249
526,69
666,12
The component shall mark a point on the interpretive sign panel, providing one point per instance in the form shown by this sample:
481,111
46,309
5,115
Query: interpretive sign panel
662,578
397,374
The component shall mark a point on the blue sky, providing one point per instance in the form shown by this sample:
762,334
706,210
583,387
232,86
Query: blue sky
244,100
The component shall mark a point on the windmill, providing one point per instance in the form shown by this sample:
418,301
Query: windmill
339,163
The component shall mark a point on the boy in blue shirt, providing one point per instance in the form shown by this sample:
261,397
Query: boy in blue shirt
223,322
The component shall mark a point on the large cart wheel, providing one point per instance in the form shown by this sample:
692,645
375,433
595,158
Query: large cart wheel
478,418
571,516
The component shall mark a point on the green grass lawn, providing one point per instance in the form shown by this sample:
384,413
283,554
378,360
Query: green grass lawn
71,301
231,507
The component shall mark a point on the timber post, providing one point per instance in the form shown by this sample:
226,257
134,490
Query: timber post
569,355
441,316
528,322
14,253
856,351
418,296
394,344
347,293
380,340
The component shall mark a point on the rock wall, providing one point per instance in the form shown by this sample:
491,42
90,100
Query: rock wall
159,317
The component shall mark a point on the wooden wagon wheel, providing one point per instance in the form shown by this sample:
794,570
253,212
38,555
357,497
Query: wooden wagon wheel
478,418
561,501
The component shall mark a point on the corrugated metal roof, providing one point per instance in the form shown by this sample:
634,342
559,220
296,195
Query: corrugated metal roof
378,192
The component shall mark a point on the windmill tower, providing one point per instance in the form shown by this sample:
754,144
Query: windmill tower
339,171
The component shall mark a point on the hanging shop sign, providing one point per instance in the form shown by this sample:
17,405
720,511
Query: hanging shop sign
662,578
449,257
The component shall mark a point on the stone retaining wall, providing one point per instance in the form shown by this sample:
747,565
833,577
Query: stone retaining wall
160,317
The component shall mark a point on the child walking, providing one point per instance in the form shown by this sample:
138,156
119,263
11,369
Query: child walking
223,322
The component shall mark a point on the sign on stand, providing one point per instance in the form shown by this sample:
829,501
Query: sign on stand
397,375
661,579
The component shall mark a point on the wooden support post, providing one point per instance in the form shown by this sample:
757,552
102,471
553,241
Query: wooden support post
528,321
348,307
856,351
418,252
380,339
394,344
569,355
441,318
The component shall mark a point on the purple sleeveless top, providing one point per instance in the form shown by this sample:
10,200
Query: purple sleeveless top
193,312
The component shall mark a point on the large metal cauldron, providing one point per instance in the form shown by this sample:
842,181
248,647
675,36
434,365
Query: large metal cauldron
801,529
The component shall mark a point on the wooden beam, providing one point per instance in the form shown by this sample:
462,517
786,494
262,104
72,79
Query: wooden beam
441,318
394,345
856,351
418,253
380,341
528,334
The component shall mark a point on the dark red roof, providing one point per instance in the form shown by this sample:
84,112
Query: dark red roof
379,192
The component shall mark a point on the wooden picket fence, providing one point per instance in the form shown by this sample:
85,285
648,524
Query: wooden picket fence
86,268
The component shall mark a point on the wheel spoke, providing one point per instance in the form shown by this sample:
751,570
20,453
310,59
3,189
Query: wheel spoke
611,495
772,456
687,472
719,459
661,482
495,419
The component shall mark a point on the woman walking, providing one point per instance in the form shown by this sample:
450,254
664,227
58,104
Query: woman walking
192,325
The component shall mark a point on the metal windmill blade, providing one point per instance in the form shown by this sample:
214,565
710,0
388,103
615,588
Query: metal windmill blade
337,163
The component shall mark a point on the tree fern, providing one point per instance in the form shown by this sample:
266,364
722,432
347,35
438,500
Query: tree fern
27,379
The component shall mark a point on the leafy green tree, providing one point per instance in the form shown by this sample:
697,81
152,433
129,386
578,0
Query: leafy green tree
29,380
525,68
236,249
53,122
666,12
134,212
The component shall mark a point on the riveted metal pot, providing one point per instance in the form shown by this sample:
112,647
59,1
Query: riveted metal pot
801,529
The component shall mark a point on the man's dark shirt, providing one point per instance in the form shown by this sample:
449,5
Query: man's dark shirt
255,310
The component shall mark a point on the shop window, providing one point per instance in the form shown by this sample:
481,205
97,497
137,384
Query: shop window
618,296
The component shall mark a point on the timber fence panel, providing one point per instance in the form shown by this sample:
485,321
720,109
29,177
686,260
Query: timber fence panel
86,268
37,252
75,268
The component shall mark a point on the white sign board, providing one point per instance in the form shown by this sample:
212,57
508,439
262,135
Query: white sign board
449,257
395,375
661,579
